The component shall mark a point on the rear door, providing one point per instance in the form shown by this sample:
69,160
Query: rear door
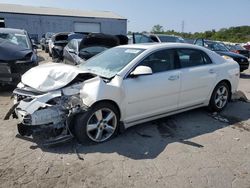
198,75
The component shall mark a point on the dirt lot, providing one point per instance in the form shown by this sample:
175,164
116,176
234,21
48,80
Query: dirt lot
192,149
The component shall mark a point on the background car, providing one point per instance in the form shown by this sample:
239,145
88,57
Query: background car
60,40
221,49
247,46
80,50
122,87
44,42
239,50
17,55
145,38
51,44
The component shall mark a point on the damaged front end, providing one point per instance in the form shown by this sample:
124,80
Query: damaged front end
46,114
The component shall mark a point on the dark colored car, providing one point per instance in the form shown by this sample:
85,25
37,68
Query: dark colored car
247,46
79,50
45,41
60,40
17,55
239,50
146,38
221,49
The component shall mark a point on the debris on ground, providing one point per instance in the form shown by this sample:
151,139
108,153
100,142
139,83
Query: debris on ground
240,96
237,139
78,154
218,117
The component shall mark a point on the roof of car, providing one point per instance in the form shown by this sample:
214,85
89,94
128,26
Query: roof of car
165,35
11,30
160,45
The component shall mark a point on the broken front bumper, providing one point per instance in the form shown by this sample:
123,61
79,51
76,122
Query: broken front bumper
50,124
45,112
36,115
47,116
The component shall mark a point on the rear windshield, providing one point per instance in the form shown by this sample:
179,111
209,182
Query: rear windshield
237,47
171,39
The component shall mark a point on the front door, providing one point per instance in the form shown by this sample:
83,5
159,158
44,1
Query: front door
152,95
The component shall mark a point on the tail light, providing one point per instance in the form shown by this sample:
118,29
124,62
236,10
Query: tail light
236,51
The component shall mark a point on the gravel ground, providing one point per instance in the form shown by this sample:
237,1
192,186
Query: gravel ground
191,149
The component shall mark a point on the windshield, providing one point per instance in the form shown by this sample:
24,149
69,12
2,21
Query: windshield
170,39
110,62
18,39
215,46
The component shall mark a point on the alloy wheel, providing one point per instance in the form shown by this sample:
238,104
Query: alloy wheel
101,125
221,97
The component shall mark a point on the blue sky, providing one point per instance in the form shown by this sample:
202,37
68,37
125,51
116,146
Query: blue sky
142,15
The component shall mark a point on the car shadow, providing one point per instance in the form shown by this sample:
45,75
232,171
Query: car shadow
148,140
245,76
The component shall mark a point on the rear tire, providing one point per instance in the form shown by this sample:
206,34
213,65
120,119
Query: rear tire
99,124
220,97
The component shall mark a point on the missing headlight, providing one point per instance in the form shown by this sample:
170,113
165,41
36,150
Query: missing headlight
74,101
67,102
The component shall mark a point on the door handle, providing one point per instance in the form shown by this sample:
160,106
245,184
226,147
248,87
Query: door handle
211,71
173,77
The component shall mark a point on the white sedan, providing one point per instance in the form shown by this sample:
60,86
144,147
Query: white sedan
122,87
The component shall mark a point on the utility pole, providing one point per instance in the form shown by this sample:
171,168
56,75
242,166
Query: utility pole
182,26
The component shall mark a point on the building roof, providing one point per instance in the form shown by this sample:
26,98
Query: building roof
21,9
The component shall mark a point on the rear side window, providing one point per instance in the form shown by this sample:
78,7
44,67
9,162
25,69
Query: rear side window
191,58
160,61
199,42
71,45
140,38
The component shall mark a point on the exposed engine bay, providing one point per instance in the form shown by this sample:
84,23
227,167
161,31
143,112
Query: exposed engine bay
48,113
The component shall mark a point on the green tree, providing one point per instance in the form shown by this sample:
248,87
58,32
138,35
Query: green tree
157,29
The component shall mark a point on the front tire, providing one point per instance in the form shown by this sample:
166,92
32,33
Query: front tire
99,124
220,97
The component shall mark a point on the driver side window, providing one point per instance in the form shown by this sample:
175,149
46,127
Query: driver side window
71,45
160,61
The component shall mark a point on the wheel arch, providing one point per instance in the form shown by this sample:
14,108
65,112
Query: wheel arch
111,102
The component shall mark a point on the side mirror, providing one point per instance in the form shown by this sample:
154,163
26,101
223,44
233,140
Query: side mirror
141,70
72,51
34,46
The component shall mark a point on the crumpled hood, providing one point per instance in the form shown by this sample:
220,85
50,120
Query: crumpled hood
11,52
50,76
